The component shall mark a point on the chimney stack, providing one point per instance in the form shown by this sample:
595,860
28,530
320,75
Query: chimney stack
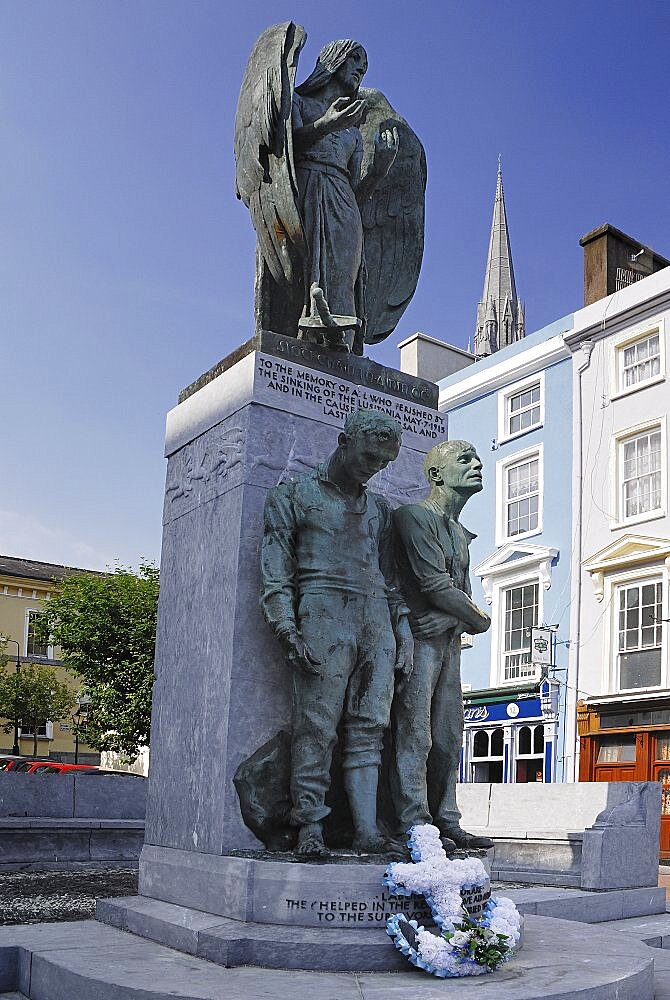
613,260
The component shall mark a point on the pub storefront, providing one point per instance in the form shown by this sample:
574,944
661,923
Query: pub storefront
627,740
510,734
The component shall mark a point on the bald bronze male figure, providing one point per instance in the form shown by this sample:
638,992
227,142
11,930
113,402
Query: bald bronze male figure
427,716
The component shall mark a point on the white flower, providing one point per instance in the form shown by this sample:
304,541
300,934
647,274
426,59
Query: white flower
436,951
506,919
460,939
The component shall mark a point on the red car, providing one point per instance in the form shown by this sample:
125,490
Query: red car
74,767
50,767
11,763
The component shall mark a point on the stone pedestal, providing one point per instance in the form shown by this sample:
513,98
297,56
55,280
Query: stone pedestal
269,412
278,914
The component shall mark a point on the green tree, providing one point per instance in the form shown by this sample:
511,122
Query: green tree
105,626
33,695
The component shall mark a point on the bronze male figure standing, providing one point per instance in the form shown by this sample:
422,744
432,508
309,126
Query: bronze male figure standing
427,716
329,595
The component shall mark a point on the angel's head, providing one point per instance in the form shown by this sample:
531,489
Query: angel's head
344,59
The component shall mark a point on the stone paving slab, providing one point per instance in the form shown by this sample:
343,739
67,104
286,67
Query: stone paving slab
653,930
661,960
661,974
560,960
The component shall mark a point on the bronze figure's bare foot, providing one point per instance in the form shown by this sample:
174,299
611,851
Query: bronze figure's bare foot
310,842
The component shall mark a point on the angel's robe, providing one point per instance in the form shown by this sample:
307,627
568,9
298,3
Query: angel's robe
327,174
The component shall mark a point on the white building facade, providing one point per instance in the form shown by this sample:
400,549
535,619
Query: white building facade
620,560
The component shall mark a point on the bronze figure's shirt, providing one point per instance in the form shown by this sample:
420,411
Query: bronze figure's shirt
318,540
432,556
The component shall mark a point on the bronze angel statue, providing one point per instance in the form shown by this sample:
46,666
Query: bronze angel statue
334,180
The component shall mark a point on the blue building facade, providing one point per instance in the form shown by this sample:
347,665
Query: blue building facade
515,406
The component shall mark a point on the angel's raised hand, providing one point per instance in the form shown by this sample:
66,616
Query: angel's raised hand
342,113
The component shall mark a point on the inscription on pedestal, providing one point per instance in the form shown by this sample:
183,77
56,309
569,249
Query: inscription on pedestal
352,911
317,395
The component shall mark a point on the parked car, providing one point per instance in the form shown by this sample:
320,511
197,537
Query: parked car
50,767
124,774
84,768
8,762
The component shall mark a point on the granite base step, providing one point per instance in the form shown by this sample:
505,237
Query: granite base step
234,943
534,875
79,961
587,906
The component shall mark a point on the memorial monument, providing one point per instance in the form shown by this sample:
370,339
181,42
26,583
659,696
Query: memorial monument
249,702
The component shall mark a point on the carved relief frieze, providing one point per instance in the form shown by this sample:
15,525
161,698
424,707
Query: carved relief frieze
204,469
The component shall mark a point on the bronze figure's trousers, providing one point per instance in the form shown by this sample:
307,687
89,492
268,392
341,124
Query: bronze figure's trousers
355,685
427,718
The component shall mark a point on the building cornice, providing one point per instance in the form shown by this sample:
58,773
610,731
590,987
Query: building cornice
627,552
512,560
627,699
512,369
608,315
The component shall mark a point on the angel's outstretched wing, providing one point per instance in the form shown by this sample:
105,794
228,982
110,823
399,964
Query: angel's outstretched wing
393,217
265,176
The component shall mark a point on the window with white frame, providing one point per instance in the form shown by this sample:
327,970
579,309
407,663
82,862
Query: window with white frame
42,731
530,753
514,578
524,409
521,407
34,646
640,612
487,755
638,358
522,497
639,361
640,464
520,610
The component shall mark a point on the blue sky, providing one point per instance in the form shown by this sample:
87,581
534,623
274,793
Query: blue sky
127,263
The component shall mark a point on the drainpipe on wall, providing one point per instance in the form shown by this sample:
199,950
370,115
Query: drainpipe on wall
580,366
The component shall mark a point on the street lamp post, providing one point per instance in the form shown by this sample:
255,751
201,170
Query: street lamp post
83,701
4,640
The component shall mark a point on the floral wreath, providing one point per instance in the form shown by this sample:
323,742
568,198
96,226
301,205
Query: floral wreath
467,946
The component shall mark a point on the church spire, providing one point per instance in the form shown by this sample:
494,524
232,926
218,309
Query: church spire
499,315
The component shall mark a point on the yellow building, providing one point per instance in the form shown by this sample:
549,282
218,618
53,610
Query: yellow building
24,587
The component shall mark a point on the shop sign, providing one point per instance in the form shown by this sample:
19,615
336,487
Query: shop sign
478,713
526,708
542,646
